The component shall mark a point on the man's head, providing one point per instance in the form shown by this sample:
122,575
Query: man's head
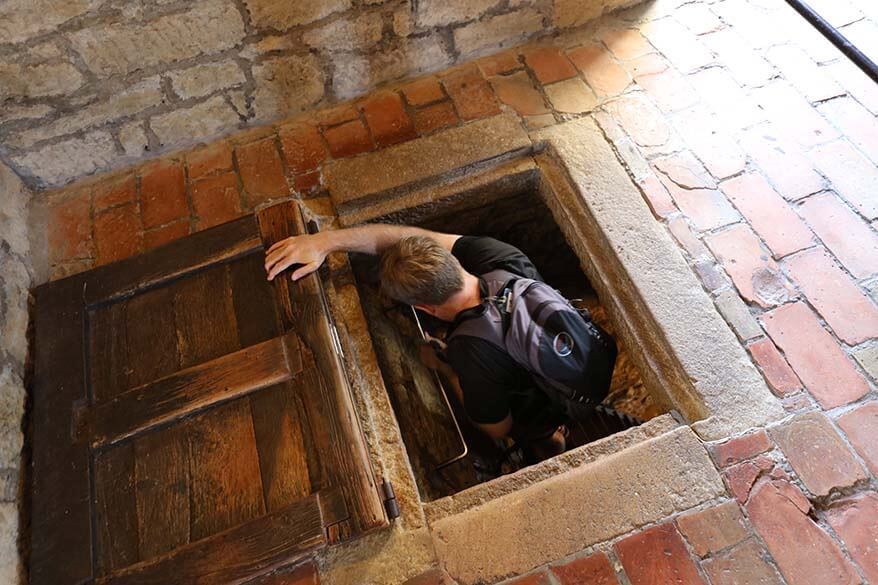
418,271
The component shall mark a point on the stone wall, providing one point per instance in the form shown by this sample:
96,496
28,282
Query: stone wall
16,276
89,85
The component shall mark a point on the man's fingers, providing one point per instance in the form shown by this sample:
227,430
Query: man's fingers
305,270
273,258
277,245
279,267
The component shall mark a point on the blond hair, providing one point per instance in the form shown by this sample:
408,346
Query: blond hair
417,270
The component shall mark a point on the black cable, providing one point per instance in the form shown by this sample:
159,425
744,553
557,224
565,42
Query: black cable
836,38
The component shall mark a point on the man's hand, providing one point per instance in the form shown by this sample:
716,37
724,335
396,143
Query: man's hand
310,251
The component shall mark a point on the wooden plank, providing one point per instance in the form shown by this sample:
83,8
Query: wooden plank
187,391
205,316
108,351
345,459
226,489
151,336
187,255
280,426
333,508
61,542
283,439
234,556
115,509
161,474
253,300
304,574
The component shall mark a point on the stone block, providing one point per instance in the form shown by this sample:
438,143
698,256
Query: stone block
744,564
55,164
347,33
818,454
559,516
804,552
355,180
133,100
497,32
354,74
281,15
431,13
728,391
188,125
13,113
133,139
210,26
736,313
15,281
712,530
43,80
21,20
9,561
571,13
286,85
206,79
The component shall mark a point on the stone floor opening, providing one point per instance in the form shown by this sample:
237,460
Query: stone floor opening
522,219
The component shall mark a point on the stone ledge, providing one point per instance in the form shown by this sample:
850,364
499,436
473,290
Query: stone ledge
355,182
557,517
704,368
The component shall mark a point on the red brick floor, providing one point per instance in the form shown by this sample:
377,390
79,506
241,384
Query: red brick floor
753,140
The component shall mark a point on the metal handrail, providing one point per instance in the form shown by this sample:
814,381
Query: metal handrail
841,42
439,383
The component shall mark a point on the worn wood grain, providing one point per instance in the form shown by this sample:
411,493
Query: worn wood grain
205,316
61,543
108,351
253,301
226,489
187,391
281,428
162,490
304,574
327,395
151,336
115,509
212,246
278,417
236,555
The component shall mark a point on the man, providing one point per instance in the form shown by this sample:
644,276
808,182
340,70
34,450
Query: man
440,274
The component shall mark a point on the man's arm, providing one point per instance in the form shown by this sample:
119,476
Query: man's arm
496,430
311,250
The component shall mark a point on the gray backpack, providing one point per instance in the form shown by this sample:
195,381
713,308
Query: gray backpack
567,355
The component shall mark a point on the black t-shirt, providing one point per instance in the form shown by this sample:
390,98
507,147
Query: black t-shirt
493,384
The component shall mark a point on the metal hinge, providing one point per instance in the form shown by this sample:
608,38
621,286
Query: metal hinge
391,506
